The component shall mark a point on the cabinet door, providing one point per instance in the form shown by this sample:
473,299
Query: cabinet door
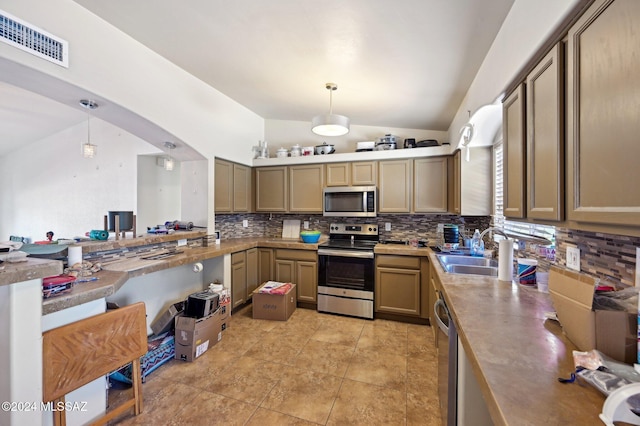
454,184
398,291
395,186
430,185
241,188
271,189
238,279
223,186
305,188
364,173
252,271
513,143
285,270
307,281
338,174
545,138
603,99
265,265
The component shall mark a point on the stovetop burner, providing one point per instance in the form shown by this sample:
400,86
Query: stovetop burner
352,236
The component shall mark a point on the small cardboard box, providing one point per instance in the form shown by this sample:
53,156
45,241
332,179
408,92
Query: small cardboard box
195,336
611,332
165,321
278,307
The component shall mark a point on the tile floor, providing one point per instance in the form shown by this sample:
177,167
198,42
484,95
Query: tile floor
312,369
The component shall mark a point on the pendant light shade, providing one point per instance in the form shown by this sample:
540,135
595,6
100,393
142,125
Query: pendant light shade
169,162
89,150
330,124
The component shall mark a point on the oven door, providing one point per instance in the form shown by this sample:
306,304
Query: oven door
346,269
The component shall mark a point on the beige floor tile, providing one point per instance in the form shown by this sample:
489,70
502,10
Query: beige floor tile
422,374
420,340
383,339
278,347
304,394
208,364
378,368
340,330
423,409
209,408
366,404
248,380
264,417
323,357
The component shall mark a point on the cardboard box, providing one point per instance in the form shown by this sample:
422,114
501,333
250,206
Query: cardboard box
277,307
165,322
611,332
195,336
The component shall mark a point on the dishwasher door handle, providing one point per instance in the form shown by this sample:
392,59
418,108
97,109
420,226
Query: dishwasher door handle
440,304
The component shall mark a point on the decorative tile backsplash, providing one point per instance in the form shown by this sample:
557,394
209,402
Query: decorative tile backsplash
403,227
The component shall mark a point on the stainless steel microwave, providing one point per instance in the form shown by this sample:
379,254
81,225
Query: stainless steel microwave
350,201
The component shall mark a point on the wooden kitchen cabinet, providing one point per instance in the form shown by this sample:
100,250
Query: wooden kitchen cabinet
238,279
545,138
513,163
252,271
398,285
265,265
395,182
364,173
603,98
305,188
272,189
301,268
232,187
454,186
338,174
430,185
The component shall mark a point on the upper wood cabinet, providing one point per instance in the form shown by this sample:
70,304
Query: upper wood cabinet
232,187
364,173
360,173
305,188
272,189
430,185
513,142
545,138
454,183
394,188
603,99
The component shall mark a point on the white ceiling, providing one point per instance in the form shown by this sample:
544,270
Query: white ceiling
402,63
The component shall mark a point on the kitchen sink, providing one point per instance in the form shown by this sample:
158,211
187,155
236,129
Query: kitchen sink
469,265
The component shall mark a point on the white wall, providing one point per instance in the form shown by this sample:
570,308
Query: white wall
525,29
193,195
158,193
49,186
286,133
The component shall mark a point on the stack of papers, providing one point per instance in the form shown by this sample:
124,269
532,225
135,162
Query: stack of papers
274,287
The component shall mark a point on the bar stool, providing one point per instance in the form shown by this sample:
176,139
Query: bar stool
78,353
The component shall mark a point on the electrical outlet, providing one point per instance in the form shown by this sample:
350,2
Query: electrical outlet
573,258
305,224
182,242
387,226
245,223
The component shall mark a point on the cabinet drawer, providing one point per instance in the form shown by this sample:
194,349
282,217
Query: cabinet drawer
403,262
309,255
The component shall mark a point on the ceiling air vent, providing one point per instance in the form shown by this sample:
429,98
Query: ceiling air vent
32,39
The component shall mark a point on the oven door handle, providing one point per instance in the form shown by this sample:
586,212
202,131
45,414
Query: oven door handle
362,254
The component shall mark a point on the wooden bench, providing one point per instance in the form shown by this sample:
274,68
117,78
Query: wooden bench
78,353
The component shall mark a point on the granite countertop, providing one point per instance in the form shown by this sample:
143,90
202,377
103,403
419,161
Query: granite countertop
30,269
515,353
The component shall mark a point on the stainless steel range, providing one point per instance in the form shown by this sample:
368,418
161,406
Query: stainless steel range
346,270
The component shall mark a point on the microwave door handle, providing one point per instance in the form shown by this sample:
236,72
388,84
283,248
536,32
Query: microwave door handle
364,201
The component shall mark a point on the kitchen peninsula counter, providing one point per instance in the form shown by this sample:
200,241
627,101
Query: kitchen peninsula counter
516,355
116,273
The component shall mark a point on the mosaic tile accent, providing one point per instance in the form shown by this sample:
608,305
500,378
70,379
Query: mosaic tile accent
137,251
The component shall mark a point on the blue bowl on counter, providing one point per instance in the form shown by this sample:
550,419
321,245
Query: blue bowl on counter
310,236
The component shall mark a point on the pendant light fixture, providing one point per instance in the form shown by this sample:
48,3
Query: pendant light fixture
89,150
169,162
330,124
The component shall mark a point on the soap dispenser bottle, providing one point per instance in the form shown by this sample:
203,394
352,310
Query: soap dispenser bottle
476,244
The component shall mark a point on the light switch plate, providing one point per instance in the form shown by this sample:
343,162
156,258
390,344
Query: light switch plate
387,226
245,223
573,258
182,242
305,224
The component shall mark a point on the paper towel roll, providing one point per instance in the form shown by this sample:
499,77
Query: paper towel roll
505,260
74,255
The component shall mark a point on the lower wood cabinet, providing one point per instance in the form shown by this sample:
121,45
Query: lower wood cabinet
244,276
301,268
265,265
401,286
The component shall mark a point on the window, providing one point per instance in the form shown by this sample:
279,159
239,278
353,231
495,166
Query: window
499,221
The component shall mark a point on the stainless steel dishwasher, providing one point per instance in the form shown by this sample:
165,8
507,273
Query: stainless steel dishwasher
447,341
